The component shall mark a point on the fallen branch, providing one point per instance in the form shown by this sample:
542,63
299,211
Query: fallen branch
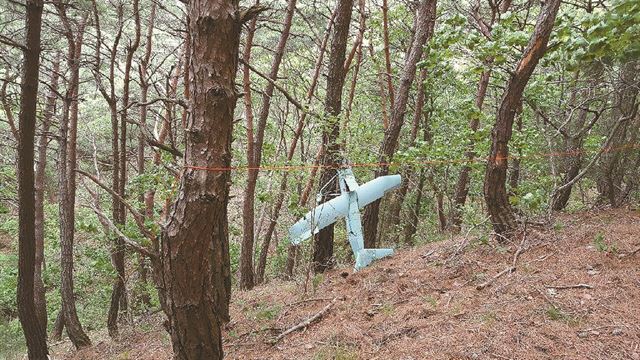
487,283
510,269
306,322
629,254
465,241
307,300
564,287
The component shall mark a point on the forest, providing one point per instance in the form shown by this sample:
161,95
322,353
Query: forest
155,154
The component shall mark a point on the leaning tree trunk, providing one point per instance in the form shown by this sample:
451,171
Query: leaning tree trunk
462,184
495,191
408,173
323,241
425,20
33,327
195,275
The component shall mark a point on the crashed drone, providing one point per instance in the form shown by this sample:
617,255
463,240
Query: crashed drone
353,198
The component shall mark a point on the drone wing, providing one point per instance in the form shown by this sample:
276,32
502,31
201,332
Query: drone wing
337,208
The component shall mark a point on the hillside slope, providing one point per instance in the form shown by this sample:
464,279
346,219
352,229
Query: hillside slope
574,295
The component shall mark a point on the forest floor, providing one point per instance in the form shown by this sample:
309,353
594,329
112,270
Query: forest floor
574,295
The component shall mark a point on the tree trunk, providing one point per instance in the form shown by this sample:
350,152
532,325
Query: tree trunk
387,52
67,182
148,212
292,251
323,241
407,174
613,173
495,191
462,185
195,275
424,29
43,143
119,293
248,216
32,326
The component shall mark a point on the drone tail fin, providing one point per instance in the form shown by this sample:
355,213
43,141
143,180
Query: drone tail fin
365,256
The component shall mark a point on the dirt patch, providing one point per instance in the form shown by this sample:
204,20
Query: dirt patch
571,296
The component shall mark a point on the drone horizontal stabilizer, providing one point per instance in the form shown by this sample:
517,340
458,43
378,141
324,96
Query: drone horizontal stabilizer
365,256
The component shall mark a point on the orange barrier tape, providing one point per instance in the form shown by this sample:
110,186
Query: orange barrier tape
570,153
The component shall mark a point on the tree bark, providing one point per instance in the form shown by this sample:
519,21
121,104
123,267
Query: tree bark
144,90
462,185
67,179
408,173
43,143
195,278
495,191
323,241
32,326
425,20
118,292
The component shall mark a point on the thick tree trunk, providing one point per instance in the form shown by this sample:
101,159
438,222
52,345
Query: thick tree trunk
32,326
425,20
323,241
43,143
195,277
495,191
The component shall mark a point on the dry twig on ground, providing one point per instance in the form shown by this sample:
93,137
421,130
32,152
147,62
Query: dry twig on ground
306,322
510,269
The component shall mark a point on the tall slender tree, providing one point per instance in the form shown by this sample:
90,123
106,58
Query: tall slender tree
247,279
67,153
40,178
32,326
425,20
485,27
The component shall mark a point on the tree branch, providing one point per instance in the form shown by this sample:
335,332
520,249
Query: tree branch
139,219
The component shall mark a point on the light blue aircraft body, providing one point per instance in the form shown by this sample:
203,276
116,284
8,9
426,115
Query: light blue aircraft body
353,198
